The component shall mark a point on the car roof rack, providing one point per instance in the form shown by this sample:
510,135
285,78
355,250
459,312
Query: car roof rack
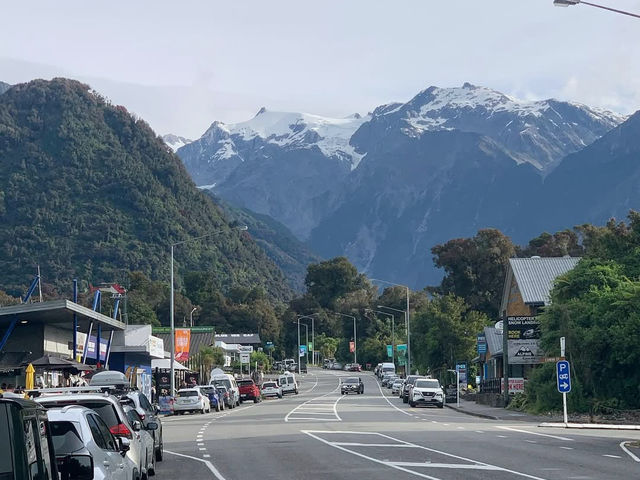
106,389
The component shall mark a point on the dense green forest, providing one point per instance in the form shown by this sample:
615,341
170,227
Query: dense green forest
88,191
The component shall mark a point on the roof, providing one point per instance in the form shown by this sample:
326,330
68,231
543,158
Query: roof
240,338
197,340
165,364
494,341
535,276
59,313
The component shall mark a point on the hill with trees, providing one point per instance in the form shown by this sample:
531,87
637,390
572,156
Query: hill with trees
89,191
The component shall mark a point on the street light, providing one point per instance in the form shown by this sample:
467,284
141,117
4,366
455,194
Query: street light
355,343
406,313
172,300
406,326
313,335
457,372
307,349
568,3
393,337
191,316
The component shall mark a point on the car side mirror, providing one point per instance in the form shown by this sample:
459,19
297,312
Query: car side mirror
137,426
78,467
151,426
125,445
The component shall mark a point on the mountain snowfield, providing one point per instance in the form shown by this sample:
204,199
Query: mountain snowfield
174,141
386,187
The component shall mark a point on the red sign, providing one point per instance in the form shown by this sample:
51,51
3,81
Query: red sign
183,340
352,347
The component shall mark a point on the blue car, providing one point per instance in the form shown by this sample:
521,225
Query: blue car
214,397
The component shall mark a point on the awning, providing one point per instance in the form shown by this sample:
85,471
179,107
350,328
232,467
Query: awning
165,364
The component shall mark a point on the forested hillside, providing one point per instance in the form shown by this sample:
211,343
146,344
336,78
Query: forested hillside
88,191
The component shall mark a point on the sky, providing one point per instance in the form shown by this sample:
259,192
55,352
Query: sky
182,65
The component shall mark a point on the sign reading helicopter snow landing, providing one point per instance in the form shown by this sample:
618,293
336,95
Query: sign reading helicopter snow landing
524,340
563,371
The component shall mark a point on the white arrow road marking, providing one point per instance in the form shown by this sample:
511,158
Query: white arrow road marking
209,465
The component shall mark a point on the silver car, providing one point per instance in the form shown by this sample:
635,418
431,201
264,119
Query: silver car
83,442
145,435
396,386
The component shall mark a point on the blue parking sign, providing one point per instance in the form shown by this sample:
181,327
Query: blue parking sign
563,371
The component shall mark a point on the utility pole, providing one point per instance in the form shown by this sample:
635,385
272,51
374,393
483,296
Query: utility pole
505,355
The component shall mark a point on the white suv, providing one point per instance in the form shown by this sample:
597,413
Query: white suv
81,439
426,391
191,400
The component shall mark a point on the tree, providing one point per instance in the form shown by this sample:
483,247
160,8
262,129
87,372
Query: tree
564,242
263,360
445,333
327,346
475,268
329,280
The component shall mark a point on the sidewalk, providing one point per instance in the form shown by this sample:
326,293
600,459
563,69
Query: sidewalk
499,413
496,413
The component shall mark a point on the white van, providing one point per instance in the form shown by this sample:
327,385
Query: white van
385,368
219,377
288,383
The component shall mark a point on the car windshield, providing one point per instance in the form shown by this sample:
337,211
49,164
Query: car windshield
269,385
427,384
225,381
65,437
187,393
245,383
351,380
105,409
133,416
207,390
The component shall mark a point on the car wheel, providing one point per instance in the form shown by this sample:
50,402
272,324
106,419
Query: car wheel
160,453
405,399
280,396
441,405
152,470
255,400
136,475
412,404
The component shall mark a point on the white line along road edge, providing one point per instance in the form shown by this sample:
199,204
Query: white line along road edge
209,465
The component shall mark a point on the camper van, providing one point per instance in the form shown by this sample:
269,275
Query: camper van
288,383
218,377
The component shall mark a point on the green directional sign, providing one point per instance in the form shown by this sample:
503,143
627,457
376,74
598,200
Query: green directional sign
390,351
402,349
402,361
310,346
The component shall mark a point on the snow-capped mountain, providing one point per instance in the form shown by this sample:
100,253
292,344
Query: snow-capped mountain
175,141
4,87
385,188
540,132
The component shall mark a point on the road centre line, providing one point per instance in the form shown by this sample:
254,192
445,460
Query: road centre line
209,465
399,467
444,465
536,433
628,452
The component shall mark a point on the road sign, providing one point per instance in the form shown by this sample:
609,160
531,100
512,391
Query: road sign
402,349
245,348
390,351
563,371
245,357
303,350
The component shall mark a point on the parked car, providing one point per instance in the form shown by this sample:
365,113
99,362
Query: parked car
352,385
218,376
406,386
191,400
145,436
396,386
214,397
84,446
271,389
336,366
288,383
110,410
347,367
225,397
249,390
426,391
17,460
149,413
355,367
390,381
326,363
386,377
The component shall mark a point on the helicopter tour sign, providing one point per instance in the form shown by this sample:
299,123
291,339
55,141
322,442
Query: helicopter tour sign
524,340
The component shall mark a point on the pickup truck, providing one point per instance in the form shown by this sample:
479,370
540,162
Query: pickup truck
249,390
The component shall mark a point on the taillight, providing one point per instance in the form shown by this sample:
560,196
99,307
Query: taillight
121,430
142,416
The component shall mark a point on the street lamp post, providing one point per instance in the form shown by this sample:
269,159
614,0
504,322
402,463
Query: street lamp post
406,326
568,3
191,316
407,320
313,335
307,337
355,342
172,301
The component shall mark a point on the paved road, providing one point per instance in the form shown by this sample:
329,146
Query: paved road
320,434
